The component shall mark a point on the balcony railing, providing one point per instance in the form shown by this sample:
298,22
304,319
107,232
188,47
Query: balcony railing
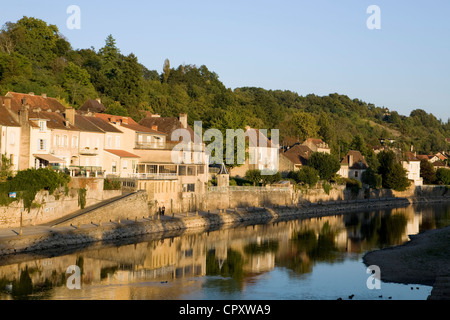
153,145
153,176
89,151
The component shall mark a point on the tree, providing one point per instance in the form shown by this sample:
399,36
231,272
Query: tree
166,70
269,179
393,175
253,176
326,164
372,178
5,168
443,176
77,83
306,125
427,172
325,130
306,175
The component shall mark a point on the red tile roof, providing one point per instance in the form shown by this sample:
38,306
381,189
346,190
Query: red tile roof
34,101
122,153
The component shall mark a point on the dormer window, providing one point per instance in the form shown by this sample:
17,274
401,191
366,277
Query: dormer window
42,125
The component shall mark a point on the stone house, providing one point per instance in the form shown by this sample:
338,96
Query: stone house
412,165
317,145
353,165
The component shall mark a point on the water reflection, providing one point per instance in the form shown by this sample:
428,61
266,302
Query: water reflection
224,261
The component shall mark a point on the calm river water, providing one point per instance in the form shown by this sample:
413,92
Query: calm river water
318,258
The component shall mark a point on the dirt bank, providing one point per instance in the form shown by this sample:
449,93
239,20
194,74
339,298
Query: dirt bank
418,261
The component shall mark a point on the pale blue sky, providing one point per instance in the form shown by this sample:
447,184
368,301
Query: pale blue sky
320,46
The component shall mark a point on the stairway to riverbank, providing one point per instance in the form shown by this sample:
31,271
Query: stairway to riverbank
86,210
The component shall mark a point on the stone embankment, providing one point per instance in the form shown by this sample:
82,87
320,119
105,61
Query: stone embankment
81,235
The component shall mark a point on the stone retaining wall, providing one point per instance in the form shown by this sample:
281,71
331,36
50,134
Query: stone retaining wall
74,236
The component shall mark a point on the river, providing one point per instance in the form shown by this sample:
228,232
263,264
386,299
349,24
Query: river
310,259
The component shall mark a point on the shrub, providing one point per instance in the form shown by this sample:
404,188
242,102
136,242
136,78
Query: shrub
443,176
354,185
327,187
109,184
306,175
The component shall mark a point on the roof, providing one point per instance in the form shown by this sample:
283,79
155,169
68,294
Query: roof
127,122
439,163
105,126
298,154
92,105
166,125
122,153
34,101
411,156
6,118
358,160
55,120
318,142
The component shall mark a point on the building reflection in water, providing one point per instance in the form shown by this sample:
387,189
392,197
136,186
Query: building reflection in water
226,260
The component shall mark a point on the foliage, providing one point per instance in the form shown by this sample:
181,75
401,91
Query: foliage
325,164
253,176
82,198
393,175
427,172
354,185
35,57
29,182
372,178
443,176
5,168
306,175
327,187
110,184
269,179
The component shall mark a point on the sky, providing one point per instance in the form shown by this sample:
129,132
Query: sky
309,47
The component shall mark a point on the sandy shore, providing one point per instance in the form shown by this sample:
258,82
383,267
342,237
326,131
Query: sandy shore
418,261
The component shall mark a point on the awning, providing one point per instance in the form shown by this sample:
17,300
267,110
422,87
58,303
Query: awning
49,158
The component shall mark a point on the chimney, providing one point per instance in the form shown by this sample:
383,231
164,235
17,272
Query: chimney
350,160
44,95
31,93
155,116
155,128
23,114
183,120
69,116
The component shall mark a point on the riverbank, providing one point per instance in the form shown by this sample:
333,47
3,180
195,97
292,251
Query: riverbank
419,261
47,238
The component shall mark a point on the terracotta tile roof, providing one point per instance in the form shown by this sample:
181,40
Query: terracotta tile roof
411,156
122,153
34,101
83,123
298,154
439,164
55,120
127,122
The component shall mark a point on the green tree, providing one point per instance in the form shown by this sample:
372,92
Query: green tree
427,172
306,125
326,164
306,175
253,176
393,175
77,83
372,178
5,168
443,176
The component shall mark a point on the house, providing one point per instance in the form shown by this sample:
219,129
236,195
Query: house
294,158
9,133
317,145
412,165
263,154
353,165
92,106
439,164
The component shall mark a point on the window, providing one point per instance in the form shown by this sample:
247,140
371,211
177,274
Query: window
74,142
42,144
88,142
125,164
189,187
356,174
56,141
12,138
114,167
42,125
108,141
66,141
117,142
